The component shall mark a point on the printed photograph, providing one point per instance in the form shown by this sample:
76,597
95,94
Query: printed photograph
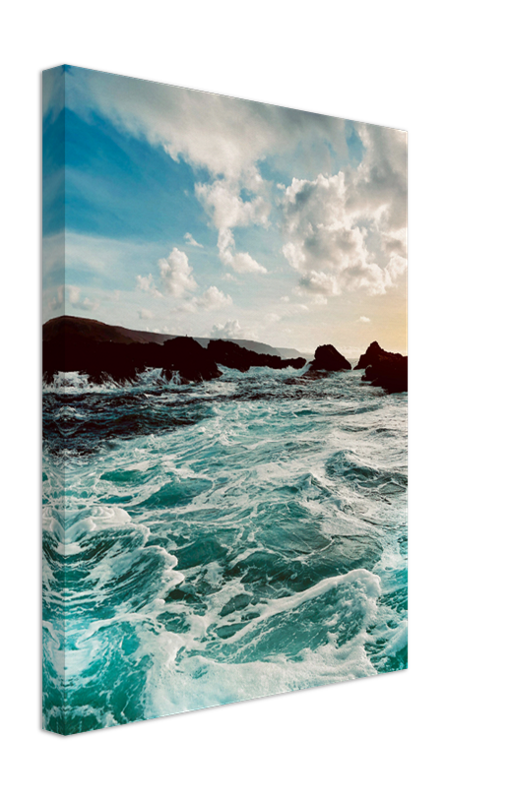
224,358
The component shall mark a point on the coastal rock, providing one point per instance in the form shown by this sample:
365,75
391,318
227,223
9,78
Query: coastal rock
234,356
192,361
328,359
70,350
370,356
73,344
384,369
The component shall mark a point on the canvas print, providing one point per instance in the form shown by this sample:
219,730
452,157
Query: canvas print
224,398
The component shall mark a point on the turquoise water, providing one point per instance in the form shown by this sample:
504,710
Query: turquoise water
222,541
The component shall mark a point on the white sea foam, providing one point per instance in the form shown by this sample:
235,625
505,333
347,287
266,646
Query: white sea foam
201,682
248,537
398,640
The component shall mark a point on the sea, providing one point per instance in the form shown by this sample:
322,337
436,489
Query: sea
209,543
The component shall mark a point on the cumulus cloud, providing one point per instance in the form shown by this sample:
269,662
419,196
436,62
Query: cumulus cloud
230,330
379,184
343,230
396,266
394,242
227,208
347,231
239,262
177,280
364,319
224,203
325,245
226,136
74,296
313,281
145,283
212,299
145,313
176,274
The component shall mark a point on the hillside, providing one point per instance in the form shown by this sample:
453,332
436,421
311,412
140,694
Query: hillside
100,332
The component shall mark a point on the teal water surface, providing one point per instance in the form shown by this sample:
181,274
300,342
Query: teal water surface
211,543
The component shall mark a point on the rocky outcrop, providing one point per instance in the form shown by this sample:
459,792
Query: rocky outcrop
72,344
192,361
328,359
123,362
384,369
371,354
229,354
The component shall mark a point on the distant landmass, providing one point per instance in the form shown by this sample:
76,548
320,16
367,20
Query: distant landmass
101,332
74,344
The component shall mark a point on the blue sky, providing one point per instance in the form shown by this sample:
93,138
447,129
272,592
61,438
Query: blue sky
194,213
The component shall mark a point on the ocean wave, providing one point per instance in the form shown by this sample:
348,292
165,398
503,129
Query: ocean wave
221,541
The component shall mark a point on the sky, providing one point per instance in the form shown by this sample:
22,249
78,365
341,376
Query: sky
184,212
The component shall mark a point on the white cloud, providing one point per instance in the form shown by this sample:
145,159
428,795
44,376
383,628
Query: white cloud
74,296
227,209
178,281
225,135
394,242
223,202
145,283
396,266
344,230
293,253
190,240
347,232
364,319
324,243
212,299
230,330
314,281
239,262
145,313
176,274
379,184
